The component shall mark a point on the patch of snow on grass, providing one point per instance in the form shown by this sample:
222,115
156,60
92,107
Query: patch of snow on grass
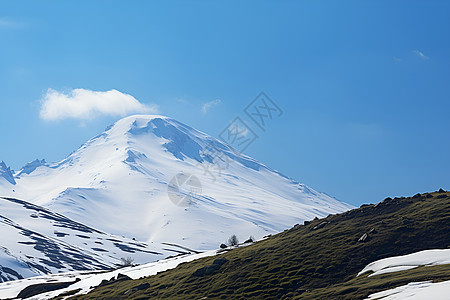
409,261
416,291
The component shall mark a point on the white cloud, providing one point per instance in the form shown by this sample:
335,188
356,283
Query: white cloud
421,55
210,104
86,104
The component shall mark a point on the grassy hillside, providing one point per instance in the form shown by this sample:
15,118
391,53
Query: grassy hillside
318,260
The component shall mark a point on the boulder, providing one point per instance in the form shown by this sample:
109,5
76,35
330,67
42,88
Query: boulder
321,225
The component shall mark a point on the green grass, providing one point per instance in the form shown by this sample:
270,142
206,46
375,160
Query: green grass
304,263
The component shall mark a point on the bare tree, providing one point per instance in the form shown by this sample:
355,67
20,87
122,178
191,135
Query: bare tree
233,240
127,262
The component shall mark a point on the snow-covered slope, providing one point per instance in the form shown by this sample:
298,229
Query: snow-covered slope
120,181
88,280
36,241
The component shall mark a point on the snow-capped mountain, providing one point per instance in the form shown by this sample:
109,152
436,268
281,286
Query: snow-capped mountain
155,179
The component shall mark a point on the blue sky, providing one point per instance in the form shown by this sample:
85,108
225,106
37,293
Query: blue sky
364,85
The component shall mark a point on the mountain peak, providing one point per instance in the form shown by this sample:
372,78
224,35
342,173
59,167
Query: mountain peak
182,141
179,139
135,121
6,173
30,167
